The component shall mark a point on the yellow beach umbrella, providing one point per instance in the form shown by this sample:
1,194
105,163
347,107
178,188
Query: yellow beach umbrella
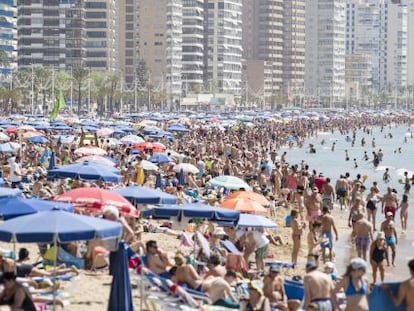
140,175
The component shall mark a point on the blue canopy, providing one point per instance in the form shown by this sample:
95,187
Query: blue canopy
144,195
178,128
15,207
160,158
9,192
86,170
38,140
255,221
120,297
192,210
57,225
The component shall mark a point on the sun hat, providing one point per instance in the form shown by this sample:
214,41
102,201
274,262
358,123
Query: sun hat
388,214
219,231
358,263
380,235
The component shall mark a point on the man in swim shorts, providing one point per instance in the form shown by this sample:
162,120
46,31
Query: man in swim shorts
391,238
390,202
319,289
362,233
328,225
341,189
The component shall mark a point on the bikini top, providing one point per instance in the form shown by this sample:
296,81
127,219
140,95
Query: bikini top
351,291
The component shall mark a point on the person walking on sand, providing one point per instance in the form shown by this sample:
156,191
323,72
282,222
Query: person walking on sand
372,199
390,202
391,238
362,233
297,231
355,286
404,213
378,255
319,289
341,189
328,225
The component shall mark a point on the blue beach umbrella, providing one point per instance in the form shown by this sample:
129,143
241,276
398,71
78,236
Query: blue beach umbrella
144,195
181,178
255,221
158,181
87,171
160,158
120,297
38,140
6,148
9,193
57,226
15,207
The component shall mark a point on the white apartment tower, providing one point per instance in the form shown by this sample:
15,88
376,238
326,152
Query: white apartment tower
160,44
363,28
193,45
223,31
325,50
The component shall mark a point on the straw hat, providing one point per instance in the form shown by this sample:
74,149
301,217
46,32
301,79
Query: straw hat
380,235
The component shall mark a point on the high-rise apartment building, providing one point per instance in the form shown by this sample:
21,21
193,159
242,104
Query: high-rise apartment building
50,33
100,26
193,45
363,28
263,46
325,50
128,40
8,34
294,35
160,43
223,46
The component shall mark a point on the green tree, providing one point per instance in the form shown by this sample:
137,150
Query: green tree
79,75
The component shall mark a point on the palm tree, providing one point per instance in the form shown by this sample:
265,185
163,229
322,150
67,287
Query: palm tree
79,75
4,59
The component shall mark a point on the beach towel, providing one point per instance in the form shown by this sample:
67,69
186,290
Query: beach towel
186,241
379,299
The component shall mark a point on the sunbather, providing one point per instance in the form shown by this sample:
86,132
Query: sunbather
157,260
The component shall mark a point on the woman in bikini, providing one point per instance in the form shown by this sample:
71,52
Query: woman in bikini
404,212
378,256
297,230
355,286
15,295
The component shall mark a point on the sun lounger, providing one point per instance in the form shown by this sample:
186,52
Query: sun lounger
63,257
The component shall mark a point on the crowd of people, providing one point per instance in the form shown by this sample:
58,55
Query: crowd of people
252,153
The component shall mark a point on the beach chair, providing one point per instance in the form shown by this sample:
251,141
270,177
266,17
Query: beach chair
63,257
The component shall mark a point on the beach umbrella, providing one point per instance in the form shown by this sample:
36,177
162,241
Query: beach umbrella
4,137
131,139
259,198
148,166
15,207
160,158
52,161
156,147
193,210
9,193
90,150
178,128
229,182
26,127
57,226
87,171
97,160
120,297
181,177
105,132
96,198
186,168
255,221
174,154
244,206
6,148
65,139
38,139
158,181
11,129
145,195
31,134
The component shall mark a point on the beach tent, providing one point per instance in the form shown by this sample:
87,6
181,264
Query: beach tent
144,195
87,171
15,207
192,210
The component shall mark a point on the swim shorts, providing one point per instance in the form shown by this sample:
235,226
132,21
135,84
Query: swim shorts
391,209
322,304
362,243
341,193
329,243
390,240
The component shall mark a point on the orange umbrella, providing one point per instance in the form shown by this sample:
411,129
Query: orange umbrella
244,205
249,195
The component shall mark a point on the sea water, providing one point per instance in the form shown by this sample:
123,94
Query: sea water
333,163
